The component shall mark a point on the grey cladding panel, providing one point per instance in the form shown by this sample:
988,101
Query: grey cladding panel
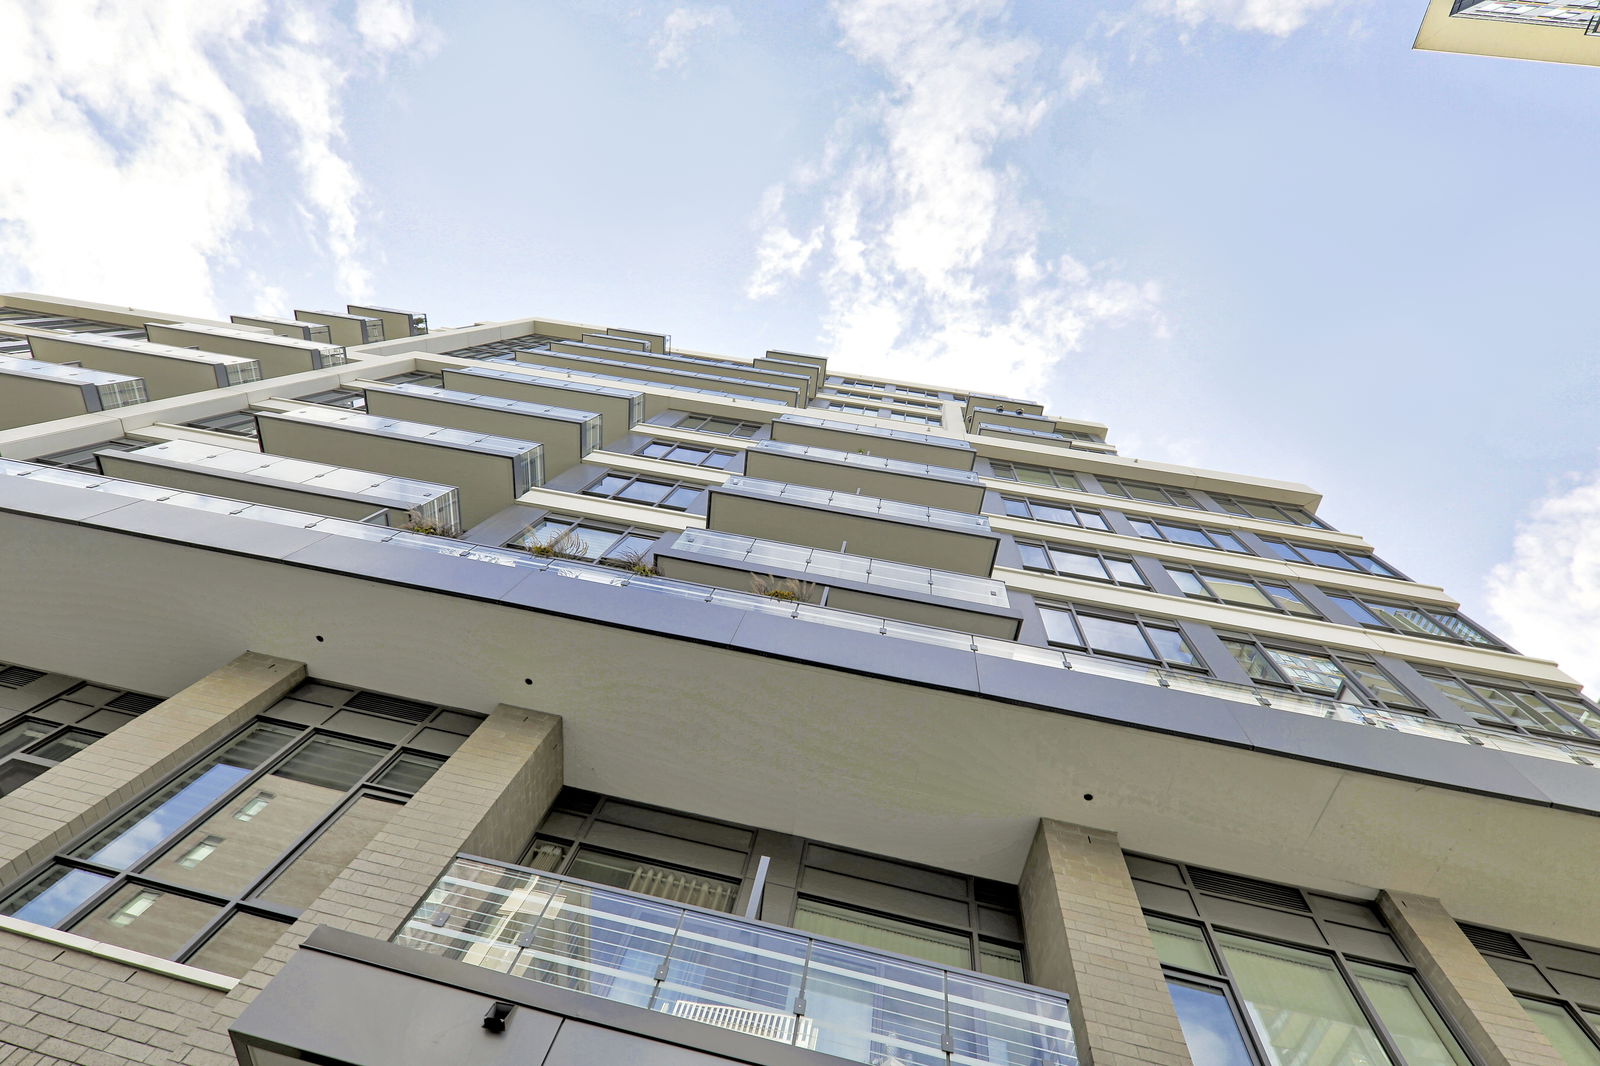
826,885
1250,918
579,1044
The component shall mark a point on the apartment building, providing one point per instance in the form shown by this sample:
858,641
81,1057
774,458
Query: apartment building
1551,31
545,693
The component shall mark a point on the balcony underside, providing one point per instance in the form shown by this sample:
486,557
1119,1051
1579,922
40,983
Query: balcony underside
845,440
846,477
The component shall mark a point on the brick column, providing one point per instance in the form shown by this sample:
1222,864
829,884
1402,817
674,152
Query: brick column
1087,937
487,800
38,818
1493,1022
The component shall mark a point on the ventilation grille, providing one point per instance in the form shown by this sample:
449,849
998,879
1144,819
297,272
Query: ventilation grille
133,702
17,676
393,706
1248,889
1493,940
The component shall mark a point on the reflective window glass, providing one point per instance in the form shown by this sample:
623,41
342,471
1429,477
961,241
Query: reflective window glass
1419,1032
1114,637
1209,1026
1563,1032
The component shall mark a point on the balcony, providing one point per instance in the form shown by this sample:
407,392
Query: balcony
35,391
619,409
860,525
565,434
903,445
735,974
610,361
286,327
277,355
346,329
490,471
396,323
167,371
637,353
854,471
843,582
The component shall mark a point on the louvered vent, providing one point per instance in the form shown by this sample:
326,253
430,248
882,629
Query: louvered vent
1493,940
17,676
133,702
1248,889
393,706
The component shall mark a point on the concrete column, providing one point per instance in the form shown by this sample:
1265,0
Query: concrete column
1493,1022
486,800
1087,937
42,815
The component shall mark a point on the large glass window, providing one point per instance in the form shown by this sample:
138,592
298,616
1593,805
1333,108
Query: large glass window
1332,675
1264,975
1241,590
1411,618
1195,537
1147,493
210,866
1268,512
1125,637
1060,513
1333,558
1080,562
1520,706
652,492
690,454
726,427
566,537
1035,475
60,726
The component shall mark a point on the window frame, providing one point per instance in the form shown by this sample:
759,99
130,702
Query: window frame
1491,717
1028,504
1160,525
1105,560
1226,982
248,899
1240,505
1260,584
1372,607
630,479
727,455
1171,495
705,420
1352,557
1141,622
996,466
619,531
1265,646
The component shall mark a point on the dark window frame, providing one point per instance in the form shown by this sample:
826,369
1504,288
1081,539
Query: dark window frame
1265,645
1262,585
629,479
1142,622
1138,581
727,455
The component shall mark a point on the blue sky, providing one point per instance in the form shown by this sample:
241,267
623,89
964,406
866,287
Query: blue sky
1254,235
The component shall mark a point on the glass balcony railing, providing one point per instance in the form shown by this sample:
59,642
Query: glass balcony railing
929,439
1295,703
758,554
746,976
856,504
870,462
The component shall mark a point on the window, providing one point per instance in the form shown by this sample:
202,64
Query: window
59,727
84,458
1138,490
234,423
1413,619
652,492
353,399
1337,558
211,866
1125,637
1521,706
1080,562
565,537
433,378
1193,536
692,454
1063,514
1269,512
944,917
880,412
1264,973
905,401
727,427
1241,590
1557,984
1336,676
1036,475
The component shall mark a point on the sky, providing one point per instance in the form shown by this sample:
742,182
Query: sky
1262,236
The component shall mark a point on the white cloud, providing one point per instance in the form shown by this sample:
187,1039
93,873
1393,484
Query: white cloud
1547,596
925,245
680,29
1277,17
139,135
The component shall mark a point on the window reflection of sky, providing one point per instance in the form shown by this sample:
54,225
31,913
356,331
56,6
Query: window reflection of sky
136,841
61,898
1208,1026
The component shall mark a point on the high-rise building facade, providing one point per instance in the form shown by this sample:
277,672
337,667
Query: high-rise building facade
543,693
1552,31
